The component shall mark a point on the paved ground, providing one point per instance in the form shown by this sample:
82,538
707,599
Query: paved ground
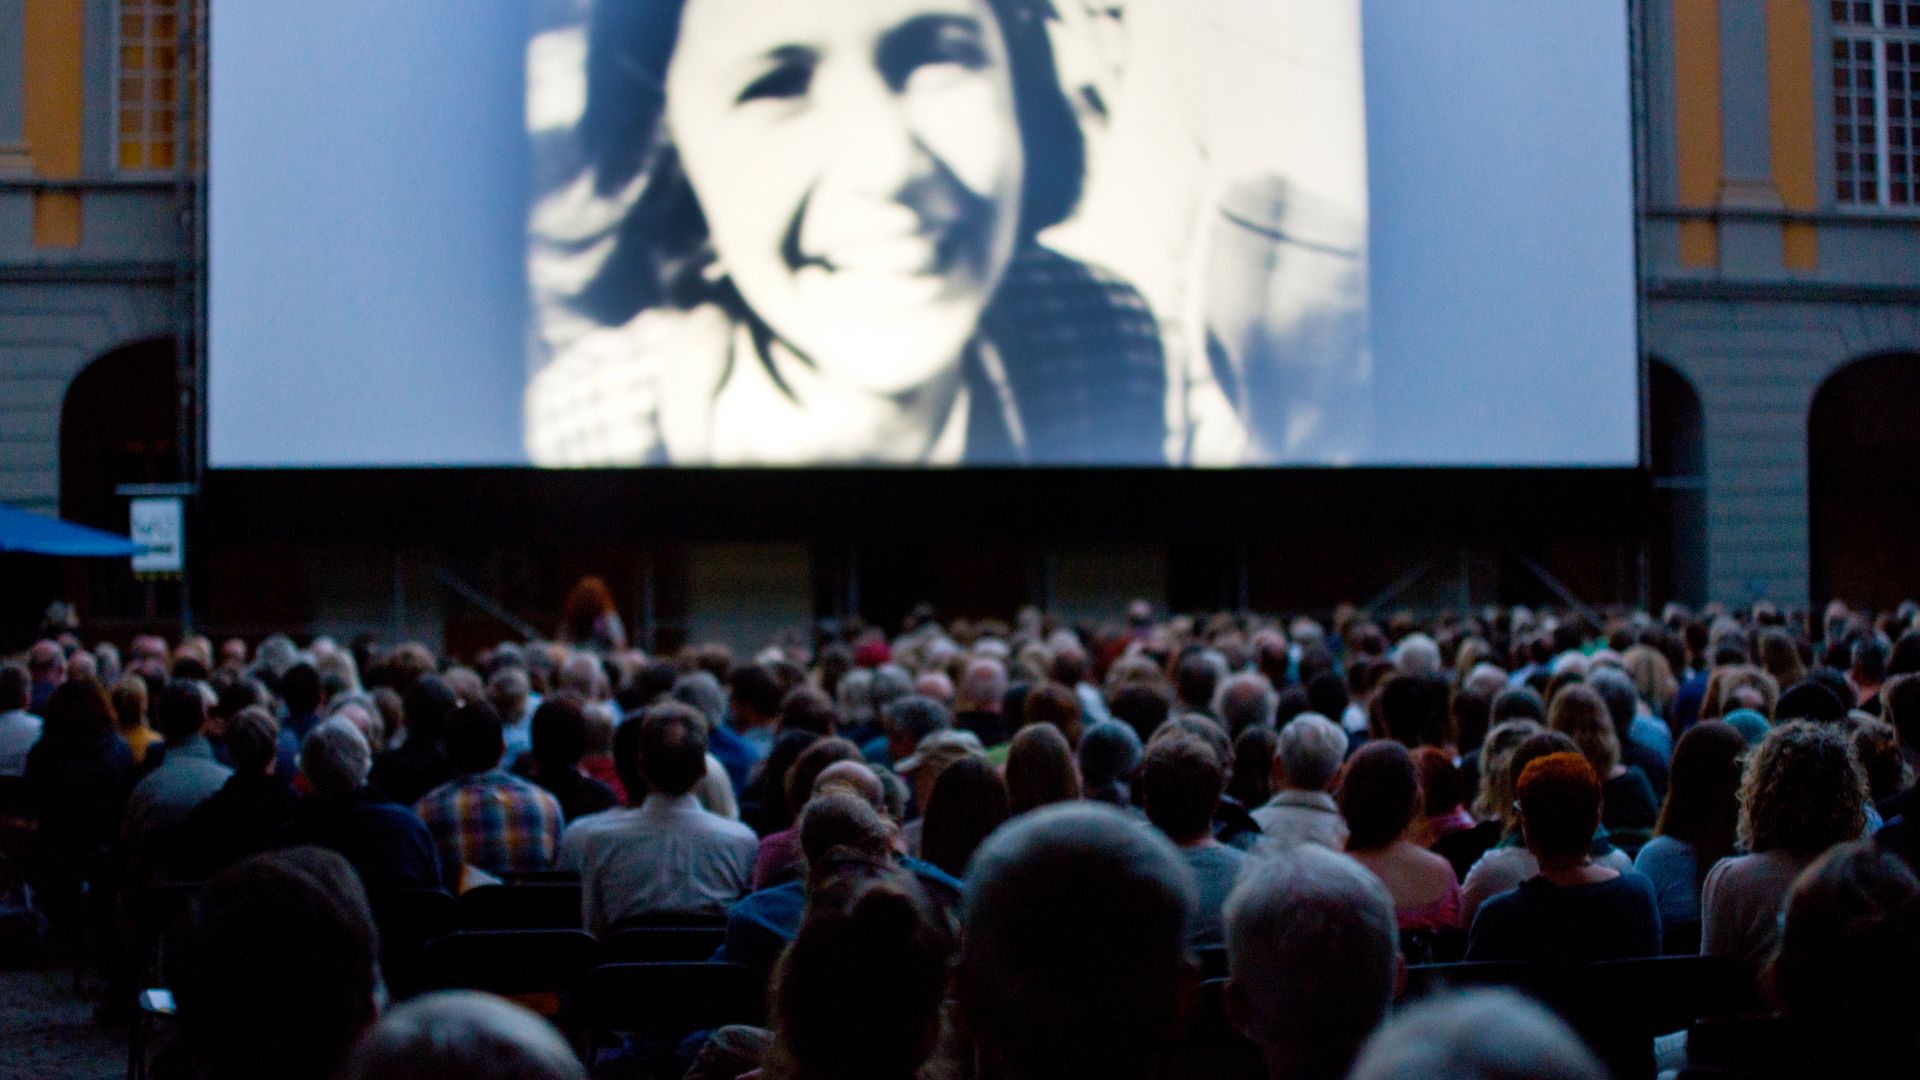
48,1033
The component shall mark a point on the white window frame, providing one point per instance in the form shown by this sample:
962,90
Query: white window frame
1881,36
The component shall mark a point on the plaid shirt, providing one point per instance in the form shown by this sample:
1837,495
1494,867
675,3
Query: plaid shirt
493,821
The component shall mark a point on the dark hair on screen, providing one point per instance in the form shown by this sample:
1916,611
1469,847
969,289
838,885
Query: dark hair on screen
968,802
661,242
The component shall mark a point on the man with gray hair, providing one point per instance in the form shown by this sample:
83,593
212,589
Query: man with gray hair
1075,962
511,695
1417,654
1306,759
979,701
385,842
1245,700
908,721
1314,951
1481,1035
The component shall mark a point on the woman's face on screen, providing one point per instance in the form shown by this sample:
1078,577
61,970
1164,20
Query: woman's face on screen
860,166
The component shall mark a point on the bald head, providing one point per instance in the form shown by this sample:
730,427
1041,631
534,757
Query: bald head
855,779
1075,960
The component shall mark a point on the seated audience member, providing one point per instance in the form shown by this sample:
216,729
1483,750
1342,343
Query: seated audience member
421,763
1051,703
1809,700
807,709
1877,746
20,729
1378,796
784,862
969,801
1441,809
1802,793
908,722
1108,755
130,709
1306,762
187,776
1048,987
1479,1035
778,858
1413,710
979,701
1040,769
1510,863
764,802
753,712
1246,700
510,693
834,827
922,770
77,779
1631,808
668,855
486,818
1195,679
559,734
1314,951
1180,785
860,993
1251,782
386,844
1844,972
1492,796
241,818
1573,911
1698,822
1645,743
1141,706
462,1035
597,760
274,968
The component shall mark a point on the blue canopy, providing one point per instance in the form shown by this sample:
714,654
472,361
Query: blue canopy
34,534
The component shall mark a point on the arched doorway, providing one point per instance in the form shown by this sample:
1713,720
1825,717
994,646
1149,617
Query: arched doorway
1676,439
1863,451
119,424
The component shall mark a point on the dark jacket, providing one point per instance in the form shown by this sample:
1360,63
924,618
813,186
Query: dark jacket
385,842
237,821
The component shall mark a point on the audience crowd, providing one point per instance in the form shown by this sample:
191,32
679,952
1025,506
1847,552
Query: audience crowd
1005,850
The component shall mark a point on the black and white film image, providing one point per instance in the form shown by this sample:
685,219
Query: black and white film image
947,232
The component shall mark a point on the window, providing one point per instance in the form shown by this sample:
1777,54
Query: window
151,70
1876,102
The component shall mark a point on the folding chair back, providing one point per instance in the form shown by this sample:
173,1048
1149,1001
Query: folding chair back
664,1002
665,944
544,906
510,962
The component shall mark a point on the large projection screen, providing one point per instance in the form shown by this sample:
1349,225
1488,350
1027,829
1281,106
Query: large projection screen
656,233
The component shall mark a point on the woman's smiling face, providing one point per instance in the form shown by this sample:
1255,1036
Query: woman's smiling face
859,163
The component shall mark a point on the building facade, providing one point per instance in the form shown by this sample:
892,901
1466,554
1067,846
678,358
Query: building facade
1779,202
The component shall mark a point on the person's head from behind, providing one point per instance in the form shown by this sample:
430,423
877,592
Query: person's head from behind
1617,693
1141,706
814,760
1195,680
754,696
853,778
559,734
1074,957
252,741
428,706
968,803
684,125
840,832
1494,800
335,758
858,994
704,693
1849,945
1314,949
1180,785
1702,807
1579,713
672,748
1479,1035
16,687
1440,792
300,689
1802,792
1559,797
1379,793
1040,769
807,709
475,738
983,687
274,967
1053,703
181,711
1308,754
78,712
462,1035
1414,710
910,719
508,690
1109,757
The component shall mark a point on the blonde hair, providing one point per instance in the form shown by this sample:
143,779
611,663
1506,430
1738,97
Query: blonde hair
1580,713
